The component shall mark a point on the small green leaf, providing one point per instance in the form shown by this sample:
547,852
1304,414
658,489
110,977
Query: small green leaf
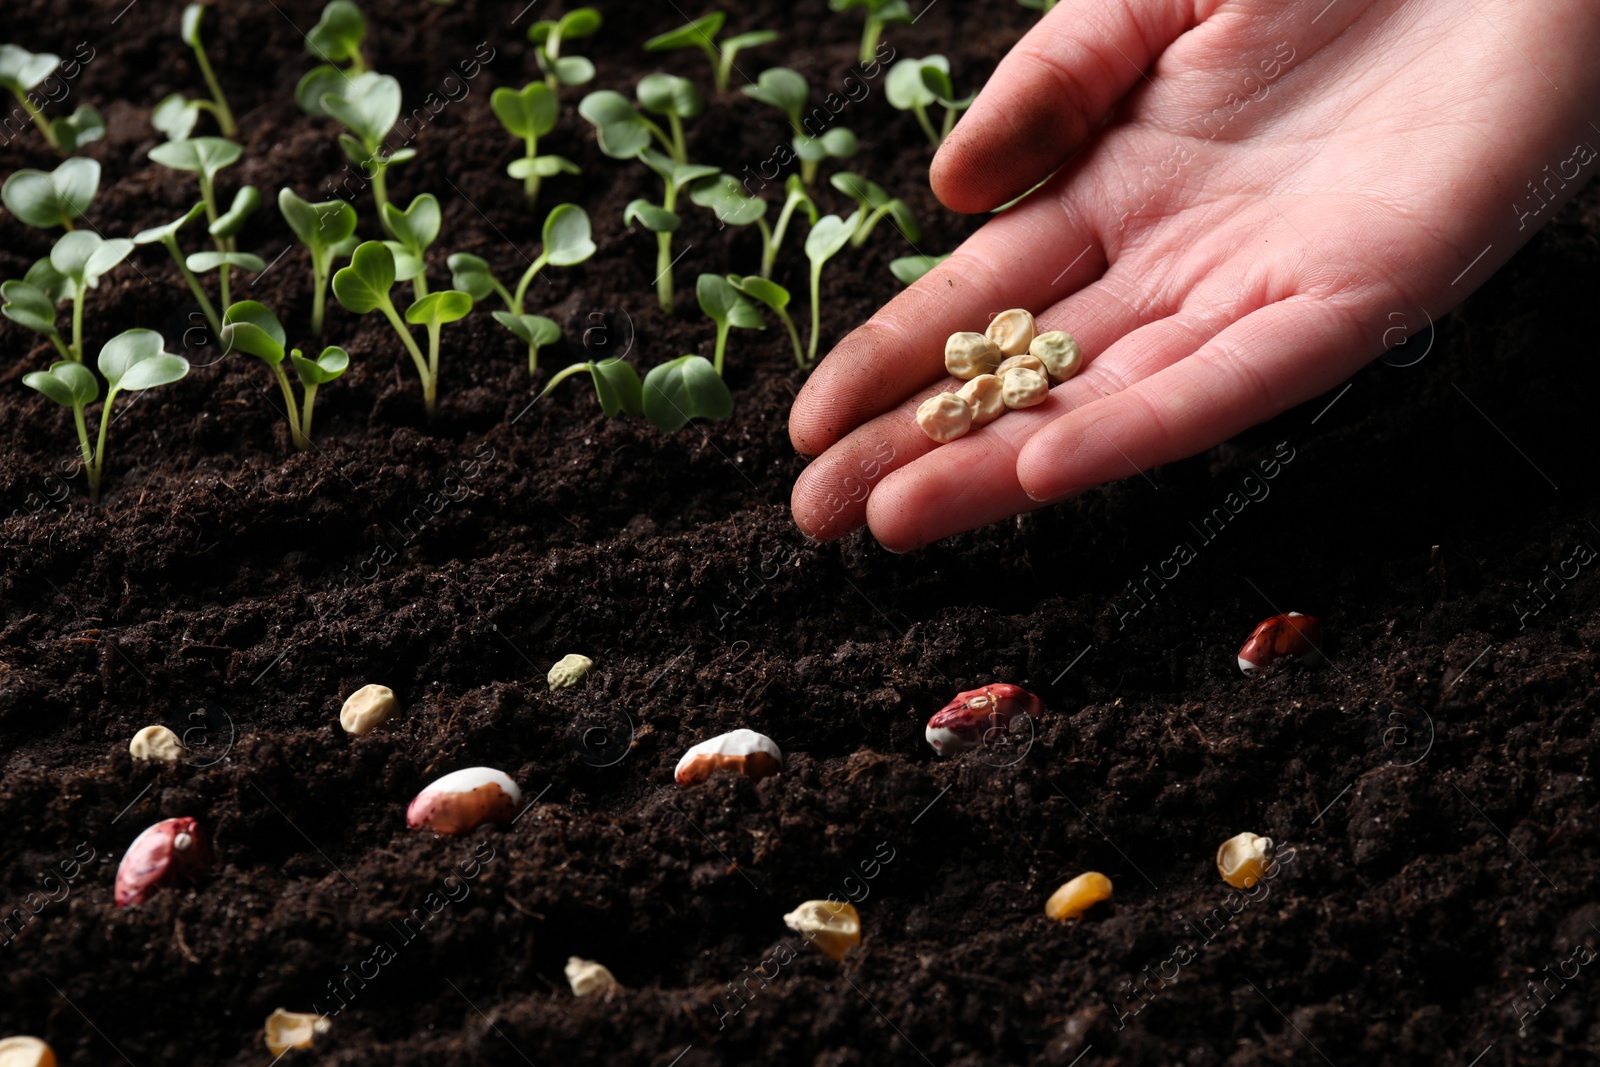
175,116
407,264
200,262
617,387
317,225
765,290
783,88
652,217
252,328
136,359
418,225
701,33
535,330
316,83
198,155
668,94
54,199
909,269
246,202
863,191
85,257
162,233
828,236
622,131
540,31
739,42
579,22
470,274
333,362
905,87
21,70
905,221
189,29
337,36
365,283
688,387
723,194
529,111
72,385
675,174
44,277
368,107
723,303
542,166
436,309
567,236
839,143
29,307
574,70
84,125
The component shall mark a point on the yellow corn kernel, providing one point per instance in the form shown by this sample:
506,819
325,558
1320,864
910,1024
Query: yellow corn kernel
293,1029
26,1052
833,926
1243,859
1078,896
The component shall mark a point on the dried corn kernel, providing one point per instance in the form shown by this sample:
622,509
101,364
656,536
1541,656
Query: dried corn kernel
1011,331
1078,896
26,1052
833,926
464,800
293,1029
1026,360
967,355
756,756
945,417
569,671
983,395
1243,859
368,708
1293,635
1023,388
1059,353
156,743
588,977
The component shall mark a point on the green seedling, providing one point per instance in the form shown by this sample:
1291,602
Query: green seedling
48,200
224,263
1038,5
337,36
880,13
776,297
688,387
702,34
548,35
253,329
130,361
623,132
368,105
788,92
218,104
75,265
167,236
662,219
22,72
616,385
327,230
915,85
727,307
205,157
364,286
875,203
726,197
826,239
530,113
414,229
910,269
567,242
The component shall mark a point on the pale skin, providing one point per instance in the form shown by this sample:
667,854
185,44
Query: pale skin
1254,200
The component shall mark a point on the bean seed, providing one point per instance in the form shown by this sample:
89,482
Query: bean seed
368,708
463,800
945,417
967,355
1059,353
1012,331
1294,635
1023,388
756,756
983,395
170,851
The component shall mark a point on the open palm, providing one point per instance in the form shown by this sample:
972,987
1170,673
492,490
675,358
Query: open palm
1252,191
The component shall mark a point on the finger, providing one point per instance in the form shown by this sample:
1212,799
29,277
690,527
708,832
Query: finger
1024,258
972,481
828,500
1282,355
1049,92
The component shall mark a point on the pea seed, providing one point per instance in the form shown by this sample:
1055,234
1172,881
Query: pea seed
588,977
833,926
1027,360
155,743
1059,353
1012,331
1078,896
1243,859
967,355
26,1052
945,417
569,671
983,395
1023,388
368,708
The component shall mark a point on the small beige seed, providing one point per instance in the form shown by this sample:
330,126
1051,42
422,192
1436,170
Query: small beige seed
1078,896
1012,331
1059,353
1243,859
156,743
368,708
1023,388
983,394
26,1052
967,355
831,925
588,977
945,417
293,1029
569,671
1026,361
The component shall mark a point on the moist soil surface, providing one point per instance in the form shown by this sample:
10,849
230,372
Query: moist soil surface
1430,787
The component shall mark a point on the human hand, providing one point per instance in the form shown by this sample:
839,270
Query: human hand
1231,243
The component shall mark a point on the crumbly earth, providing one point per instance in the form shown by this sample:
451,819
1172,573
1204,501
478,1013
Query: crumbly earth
1430,787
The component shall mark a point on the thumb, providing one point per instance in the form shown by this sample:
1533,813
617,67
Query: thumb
1048,93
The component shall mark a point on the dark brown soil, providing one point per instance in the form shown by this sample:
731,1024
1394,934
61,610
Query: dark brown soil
1434,782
